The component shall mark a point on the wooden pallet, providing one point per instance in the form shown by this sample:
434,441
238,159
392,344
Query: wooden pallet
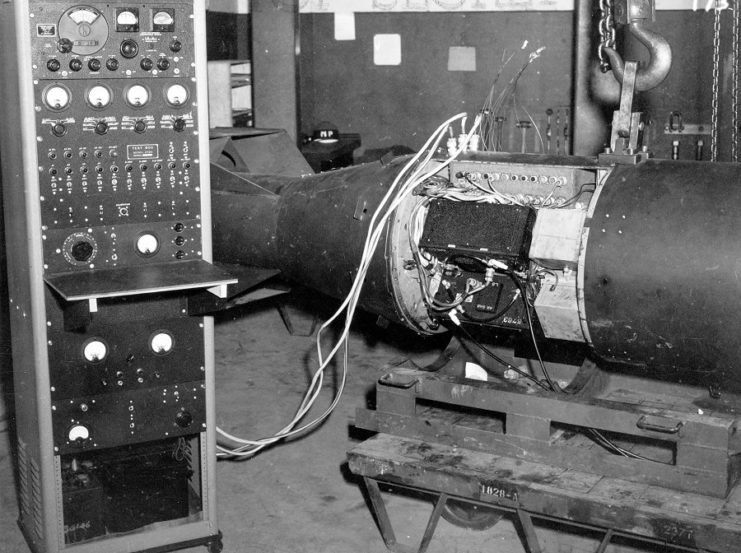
647,514
677,445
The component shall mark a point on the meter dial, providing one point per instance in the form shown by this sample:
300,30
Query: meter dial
147,244
163,19
95,350
99,96
137,95
127,20
85,27
176,95
56,97
161,342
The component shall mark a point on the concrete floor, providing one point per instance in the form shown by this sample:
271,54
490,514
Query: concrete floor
299,497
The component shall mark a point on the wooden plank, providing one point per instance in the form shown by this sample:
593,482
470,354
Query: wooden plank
560,453
683,519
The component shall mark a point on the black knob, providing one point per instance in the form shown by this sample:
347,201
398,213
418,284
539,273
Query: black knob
64,45
58,129
129,48
179,124
94,64
111,64
82,251
175,45
184,419
179,254
179,241
146,64
101,127
75,64
163,63
140,126
53,64
178,227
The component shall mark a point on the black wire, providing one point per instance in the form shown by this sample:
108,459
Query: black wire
575,197
499,360
523,290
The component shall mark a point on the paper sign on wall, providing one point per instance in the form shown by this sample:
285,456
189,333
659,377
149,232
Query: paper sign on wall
387,49
344,26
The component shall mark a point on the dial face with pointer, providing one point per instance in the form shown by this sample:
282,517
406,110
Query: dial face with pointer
85,27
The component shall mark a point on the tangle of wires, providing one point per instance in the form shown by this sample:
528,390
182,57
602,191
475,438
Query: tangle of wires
409,178
497,106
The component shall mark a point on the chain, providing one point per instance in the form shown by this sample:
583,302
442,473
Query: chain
734,93
606,33
716,86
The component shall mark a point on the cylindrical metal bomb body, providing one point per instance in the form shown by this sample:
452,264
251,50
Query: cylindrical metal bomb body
662,266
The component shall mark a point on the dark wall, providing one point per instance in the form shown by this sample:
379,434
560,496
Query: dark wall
403,104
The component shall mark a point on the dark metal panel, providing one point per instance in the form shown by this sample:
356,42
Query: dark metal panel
662,268
336,206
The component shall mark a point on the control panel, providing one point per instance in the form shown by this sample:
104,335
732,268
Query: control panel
117,134
106,184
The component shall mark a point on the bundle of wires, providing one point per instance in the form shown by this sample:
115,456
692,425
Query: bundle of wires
415,172
496,106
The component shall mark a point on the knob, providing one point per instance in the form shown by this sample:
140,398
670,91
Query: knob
95,350
184,419
146,64
75,64
94,64
111,64
180,254
163,64
179,241
82,251
140,126
175,45
147,244
129,48
59,129
64,45
101,127
178,124
53,64
78,433
178,227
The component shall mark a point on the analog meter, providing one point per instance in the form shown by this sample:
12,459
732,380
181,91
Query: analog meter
176,95
85,28
99,96
56,97
137,95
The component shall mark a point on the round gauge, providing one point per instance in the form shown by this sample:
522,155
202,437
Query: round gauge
85,27
99,96
161,343
78,432
137,95
176,95
147,244
95,350
56,97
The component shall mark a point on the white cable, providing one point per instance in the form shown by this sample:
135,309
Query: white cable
348,306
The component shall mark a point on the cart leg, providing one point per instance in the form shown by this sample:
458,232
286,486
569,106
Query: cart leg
528,532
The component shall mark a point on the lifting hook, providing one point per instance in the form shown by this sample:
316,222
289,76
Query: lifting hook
661,58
